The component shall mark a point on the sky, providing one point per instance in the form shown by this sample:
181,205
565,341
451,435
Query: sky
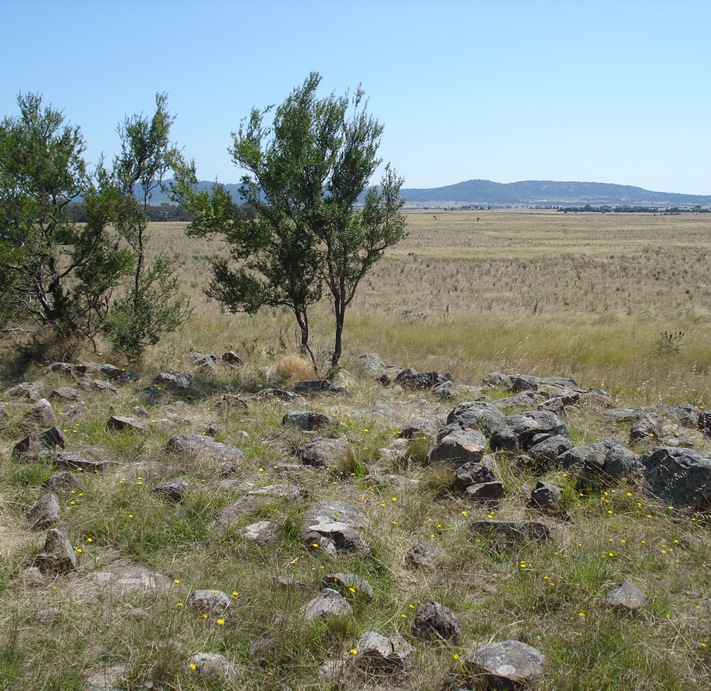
601,91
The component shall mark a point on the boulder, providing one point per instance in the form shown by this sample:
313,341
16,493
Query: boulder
45,512
39,444
28,390
626,596
371,364
307,420
680,477
524,430
328,603
314,386
547,451
63,482
603,463
508,661
649,426
377,654
434,620
486,491
57,556
169,379
41,414
474,473
459,447
208,602
478,415
547,497
325,453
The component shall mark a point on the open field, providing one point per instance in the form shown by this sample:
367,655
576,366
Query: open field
542,293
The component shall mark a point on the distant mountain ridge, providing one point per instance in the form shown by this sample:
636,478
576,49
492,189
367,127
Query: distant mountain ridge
524,193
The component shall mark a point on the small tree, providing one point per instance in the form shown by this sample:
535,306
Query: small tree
305,174
153,304
52,270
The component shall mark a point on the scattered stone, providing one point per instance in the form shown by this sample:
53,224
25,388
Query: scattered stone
524,399
486,491
28,390
278,395
96,385
422,427
377,654
292,492
57,556
211,665
423,556
498,380
45,513
601,463
232,359
547,497
507,533
524,382
412,379
50,616
75,461
649,426
39,445
459,447
63,482
547,451
332,527
41,414
478,415
313,386
198,446
680,477
203,360
474,473
371,364
230,400
524,430
208,602
510,660
326,453
234,513
307,420
626,596
445,390
152,394
126,576
328,603
434,620
349,584
119,423
172,490
173,380
118,373
261,532
108,679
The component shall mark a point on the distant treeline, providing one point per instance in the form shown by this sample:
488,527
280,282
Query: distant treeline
634,209
158,212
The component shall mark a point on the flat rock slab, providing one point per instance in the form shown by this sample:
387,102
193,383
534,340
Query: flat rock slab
261,532
459,447
126,576
239,510
120,423
510,532
510,660
200,446
292,492
74,461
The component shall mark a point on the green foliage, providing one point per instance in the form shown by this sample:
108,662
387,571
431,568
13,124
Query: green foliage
306,171
53,271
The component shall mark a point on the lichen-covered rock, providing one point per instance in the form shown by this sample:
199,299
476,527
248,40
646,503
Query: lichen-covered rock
208,602
325,453
328,603
524,430
434,620
510,660
45,512
601,463
172,490
213,666
57,556
459,447
478,415
626,596
376,654
200,446
349,584
307,420
120,423
261,532
41,414
423,556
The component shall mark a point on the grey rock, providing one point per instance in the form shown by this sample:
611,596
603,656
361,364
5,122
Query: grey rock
292,492
44,513
41,414
680,477
277,395
172,490
685,415
380,655
120,423
332,671
524,430
57,556
75,461
349,584
486,491
420,427
213,666
96,385
232,401
328,603
474,473
173,380
524,382
547,451
498,380
307,420
123,576
261,532
524,399
324,453
336,536
39,445
29,390
603,463
423,556
63,482
459,447
208,601
547,497
239,510
649,426
315,386
478,415
118,373
199,446
434,620
507,533
510,660
445,390
325,512
371,364
203,360
626,596
232,359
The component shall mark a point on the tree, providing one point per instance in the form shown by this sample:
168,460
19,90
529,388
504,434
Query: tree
52,270
153,304
305,173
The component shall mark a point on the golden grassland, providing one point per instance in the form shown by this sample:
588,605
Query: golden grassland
540,292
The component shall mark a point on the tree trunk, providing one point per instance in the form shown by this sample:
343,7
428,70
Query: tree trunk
303,321
339,308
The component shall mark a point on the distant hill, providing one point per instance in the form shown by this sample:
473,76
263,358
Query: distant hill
525,193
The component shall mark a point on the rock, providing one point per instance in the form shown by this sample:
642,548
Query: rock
39,444
234,513
172,490
349,584
45,513
325,453
649,426
486,491
169,379
474,473
547,497
478,415
510,660
626,596
119,423
524,382
232,401
203,360
434,620
41,414
118,373
75,461
371,364
307,420
524,399
601,463
57,556
96,385
377,654
325,511
108,679
232,359
680,477
332,671
63,482
29,390
211,665
547,451
314,386
292,492
261,532
459,447
208,602
420,427
498,380
423,556
524,430
199,446
278,395
411,379
328,603
123,576
507,533
333,528
445,390
685,415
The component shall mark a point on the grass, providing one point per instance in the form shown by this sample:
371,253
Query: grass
587,296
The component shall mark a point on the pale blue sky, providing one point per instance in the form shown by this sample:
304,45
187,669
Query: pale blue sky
605,91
